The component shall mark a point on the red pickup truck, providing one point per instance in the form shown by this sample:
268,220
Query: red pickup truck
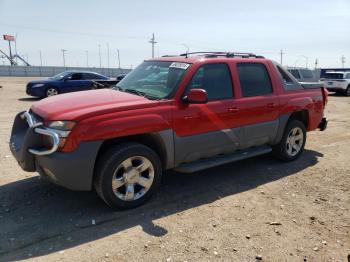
186,112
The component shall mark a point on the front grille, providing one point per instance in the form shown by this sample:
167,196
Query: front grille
36,117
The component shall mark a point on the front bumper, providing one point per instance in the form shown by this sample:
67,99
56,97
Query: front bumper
72,170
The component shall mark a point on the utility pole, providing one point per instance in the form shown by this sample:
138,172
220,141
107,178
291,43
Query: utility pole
118,59
108,58
41,59
87,58
153,42
63,55
107,54
281,54
99,53
342,59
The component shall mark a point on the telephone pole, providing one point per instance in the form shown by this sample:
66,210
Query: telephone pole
153,42
63,55
87,58
41,59
281,54
118,58
107,54
342,60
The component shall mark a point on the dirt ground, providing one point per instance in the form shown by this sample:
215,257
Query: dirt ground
255,209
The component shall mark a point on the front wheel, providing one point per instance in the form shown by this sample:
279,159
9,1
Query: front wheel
127,175
51,91
292,143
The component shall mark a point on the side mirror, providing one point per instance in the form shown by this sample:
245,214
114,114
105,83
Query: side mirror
68,78
196,96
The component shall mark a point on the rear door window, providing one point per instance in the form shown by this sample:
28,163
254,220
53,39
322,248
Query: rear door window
254,79
76,76
90,76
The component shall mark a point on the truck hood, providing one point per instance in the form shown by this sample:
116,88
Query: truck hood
80,105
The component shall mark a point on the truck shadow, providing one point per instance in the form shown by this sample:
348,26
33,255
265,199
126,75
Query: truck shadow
38,218
28,99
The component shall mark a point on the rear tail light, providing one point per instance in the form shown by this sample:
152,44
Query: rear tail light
325,96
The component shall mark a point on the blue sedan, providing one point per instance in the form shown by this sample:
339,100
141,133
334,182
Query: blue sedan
68,82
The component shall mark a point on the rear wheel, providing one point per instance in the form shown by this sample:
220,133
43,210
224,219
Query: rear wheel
347,92
51,91
293,141
127,175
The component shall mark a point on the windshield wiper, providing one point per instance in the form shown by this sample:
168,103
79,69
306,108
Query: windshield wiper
137,92
133,91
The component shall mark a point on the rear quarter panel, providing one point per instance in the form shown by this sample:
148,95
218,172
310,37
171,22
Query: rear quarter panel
305,99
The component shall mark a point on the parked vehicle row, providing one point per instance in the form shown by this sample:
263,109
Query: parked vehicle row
187,113
69,81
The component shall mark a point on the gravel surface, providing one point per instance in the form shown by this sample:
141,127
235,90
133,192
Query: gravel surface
258,209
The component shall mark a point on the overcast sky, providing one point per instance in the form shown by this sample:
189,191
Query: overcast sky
313,29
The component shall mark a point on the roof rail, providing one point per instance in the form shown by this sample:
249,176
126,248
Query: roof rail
227,54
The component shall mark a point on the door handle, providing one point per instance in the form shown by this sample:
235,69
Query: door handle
271,105
233,109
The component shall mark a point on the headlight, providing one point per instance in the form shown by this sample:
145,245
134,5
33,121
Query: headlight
61,125
63,129
38,85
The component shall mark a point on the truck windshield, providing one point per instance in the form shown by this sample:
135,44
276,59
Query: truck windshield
334,76
153,79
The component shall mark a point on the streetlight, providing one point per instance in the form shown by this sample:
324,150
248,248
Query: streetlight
99,53
306,59
41,59
64,58
87,58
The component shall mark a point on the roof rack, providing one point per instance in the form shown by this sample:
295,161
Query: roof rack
226,54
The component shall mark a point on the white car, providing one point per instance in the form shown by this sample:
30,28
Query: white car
337,82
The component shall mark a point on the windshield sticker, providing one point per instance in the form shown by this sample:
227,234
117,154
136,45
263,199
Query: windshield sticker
179,65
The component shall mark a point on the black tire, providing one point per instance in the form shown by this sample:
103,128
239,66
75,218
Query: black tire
51,91
280,150
347,92
109,163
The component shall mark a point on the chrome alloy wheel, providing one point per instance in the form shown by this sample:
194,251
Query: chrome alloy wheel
51,92
133,178
295,141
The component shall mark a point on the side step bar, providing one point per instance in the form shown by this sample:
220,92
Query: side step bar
222,159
